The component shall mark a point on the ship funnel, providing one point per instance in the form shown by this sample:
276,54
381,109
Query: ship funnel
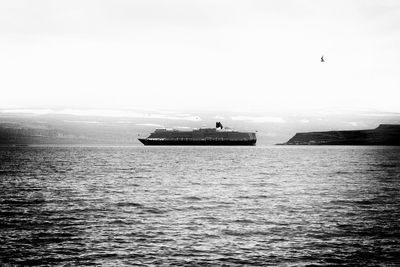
219,125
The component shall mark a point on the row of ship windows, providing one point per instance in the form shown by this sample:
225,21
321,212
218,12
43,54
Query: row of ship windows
193,139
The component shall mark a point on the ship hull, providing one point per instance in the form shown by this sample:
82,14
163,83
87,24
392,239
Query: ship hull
153,142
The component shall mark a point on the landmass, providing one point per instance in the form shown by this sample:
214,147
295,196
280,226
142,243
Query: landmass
52,127
384,134
23,133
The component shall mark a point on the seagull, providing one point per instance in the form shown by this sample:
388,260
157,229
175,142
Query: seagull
322,59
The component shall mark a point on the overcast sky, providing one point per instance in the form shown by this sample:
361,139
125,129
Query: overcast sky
203,55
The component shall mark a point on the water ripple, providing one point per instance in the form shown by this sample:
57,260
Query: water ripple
199,206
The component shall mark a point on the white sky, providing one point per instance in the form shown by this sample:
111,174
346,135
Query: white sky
226,55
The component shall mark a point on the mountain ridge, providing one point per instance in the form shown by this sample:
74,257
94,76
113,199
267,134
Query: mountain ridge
384,134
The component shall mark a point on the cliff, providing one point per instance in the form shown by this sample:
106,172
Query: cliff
385,134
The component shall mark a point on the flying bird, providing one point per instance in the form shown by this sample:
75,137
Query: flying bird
322,59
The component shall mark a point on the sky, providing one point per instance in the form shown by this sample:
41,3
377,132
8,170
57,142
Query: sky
200,55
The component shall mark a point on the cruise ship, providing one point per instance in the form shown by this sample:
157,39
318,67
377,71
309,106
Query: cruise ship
217,136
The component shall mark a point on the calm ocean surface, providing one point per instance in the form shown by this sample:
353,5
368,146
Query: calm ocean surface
291,206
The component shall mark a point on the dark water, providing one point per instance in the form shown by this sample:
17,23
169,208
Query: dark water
291,206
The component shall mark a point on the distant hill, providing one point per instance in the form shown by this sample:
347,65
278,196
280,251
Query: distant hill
124,127
385,134
66,133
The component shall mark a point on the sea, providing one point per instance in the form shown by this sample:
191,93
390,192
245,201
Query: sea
200,206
